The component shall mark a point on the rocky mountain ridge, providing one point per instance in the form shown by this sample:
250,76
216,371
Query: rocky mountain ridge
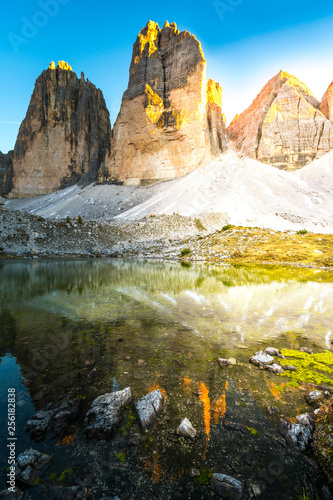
170,122
65,135
285,126
169,111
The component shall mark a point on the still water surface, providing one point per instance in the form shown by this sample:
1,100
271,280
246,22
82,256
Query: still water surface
161,325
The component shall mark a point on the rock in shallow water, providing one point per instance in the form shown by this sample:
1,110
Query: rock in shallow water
272,351
261,359
105,413
300,434
149,407
54,420
186,429
30,464
226,486
275,368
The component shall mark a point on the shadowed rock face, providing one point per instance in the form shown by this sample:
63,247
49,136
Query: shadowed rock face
284,126
64,136
6,173
170,119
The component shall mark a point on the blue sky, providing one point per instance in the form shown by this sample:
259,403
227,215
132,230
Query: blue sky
245,42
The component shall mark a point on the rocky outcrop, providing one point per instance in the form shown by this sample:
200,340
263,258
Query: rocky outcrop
65,135
326,105
6,173
284,126
170,121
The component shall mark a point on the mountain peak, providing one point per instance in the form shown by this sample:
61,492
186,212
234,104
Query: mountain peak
283,126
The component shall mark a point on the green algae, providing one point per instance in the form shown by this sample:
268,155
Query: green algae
66,475
254,432
122,456
311,368
129,419
205,477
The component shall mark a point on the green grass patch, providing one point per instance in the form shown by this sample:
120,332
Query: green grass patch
185,251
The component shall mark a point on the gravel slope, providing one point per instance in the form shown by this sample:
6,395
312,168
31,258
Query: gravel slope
246,192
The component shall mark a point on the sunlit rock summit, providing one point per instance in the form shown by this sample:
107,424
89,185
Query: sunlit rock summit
285,125
170,121
65,135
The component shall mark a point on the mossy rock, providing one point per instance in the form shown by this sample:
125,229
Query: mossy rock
311,368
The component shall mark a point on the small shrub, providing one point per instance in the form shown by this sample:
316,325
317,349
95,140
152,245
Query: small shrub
79,219
68,220
185,251
228,226
302,231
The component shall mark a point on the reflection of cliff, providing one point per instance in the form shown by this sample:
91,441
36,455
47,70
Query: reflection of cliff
23,280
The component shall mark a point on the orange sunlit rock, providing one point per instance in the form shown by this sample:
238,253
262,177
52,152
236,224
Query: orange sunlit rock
275,389
157,386
64,65
167,114
187,385
204,398
285,125
68,440
219,407
153,466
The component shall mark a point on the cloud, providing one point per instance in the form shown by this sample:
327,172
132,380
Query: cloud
14,123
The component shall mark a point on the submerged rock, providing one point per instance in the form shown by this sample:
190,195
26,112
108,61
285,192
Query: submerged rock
223,362
30,465
226,486
135,439
55,419
59,492
272,410
261,359
186,429
272,351
314,397
236,426
149,407
105,413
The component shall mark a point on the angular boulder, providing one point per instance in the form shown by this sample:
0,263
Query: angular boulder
55,419
149,407
285,125
186,429
64,136
300,434
170,121
261,359
275,368
105,413
30,465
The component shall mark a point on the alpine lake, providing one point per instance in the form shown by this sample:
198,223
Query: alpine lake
90,327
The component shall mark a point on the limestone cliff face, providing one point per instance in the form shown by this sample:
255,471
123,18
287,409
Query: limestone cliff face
284,126
6,173
65,135
326,105
170,119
